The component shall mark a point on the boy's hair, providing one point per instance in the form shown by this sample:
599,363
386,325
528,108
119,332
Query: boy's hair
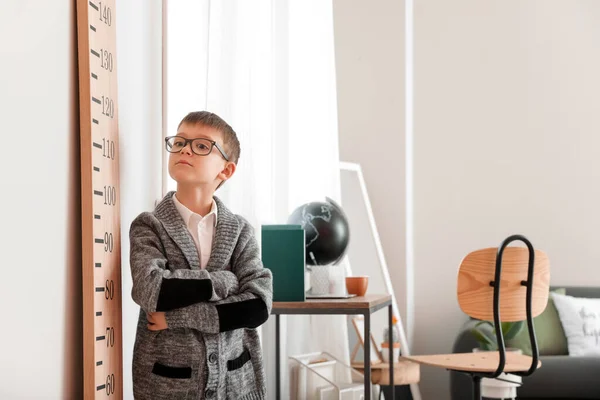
230,139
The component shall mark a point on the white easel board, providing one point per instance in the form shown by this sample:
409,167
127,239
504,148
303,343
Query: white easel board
365,253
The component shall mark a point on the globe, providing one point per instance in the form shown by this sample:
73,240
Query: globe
327,231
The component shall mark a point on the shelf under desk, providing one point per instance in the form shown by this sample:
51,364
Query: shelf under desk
405,372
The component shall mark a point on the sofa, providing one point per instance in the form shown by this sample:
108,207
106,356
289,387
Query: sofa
561,377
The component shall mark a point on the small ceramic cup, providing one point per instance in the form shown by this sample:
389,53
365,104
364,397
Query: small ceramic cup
357,285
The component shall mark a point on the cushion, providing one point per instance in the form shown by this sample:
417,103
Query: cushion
549,332
580,319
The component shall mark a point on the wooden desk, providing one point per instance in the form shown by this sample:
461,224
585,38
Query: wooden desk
365,306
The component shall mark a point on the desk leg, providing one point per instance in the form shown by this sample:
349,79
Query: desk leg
367,356
391,349
277,359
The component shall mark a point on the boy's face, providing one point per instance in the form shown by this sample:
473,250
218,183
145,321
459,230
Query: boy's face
188,168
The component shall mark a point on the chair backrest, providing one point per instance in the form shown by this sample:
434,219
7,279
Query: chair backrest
475,290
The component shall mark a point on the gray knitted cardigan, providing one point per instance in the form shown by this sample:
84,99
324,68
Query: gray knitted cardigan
211,348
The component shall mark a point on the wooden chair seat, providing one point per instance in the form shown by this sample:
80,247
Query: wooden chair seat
504,284
485,361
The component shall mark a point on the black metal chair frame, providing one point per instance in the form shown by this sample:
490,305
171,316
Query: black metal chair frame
477,376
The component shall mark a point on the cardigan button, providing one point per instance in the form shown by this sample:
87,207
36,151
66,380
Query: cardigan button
209,393
213,358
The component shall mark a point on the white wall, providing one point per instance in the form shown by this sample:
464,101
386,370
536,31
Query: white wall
369,51
40,291
505,141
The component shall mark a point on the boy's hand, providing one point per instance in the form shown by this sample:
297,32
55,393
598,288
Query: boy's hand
157,321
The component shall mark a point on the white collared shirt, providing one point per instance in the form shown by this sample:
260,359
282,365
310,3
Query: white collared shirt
201,228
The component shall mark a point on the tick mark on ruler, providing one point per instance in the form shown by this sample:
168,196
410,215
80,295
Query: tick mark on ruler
98,363
98,265
95,121
98,193
92,27
98,338
96,169
97,145
101,387
98,313
95,100
96,216
94,52
94,76
99,241
99,289
93,5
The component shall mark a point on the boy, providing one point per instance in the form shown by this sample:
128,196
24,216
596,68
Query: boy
198,278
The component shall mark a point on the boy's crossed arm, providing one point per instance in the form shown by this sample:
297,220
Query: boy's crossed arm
184,293
249,308
156,288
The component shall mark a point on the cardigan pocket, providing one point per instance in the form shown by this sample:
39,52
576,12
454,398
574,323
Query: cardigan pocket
241,378
172,382
172,372
239,362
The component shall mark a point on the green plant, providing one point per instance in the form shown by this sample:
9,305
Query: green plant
485,333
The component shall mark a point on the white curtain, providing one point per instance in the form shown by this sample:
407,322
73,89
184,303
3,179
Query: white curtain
267,67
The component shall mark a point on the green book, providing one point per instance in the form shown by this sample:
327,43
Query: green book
283,252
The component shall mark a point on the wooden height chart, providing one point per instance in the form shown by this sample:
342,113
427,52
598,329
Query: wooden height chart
100,200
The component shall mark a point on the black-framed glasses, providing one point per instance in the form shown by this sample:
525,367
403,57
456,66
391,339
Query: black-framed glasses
199,146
